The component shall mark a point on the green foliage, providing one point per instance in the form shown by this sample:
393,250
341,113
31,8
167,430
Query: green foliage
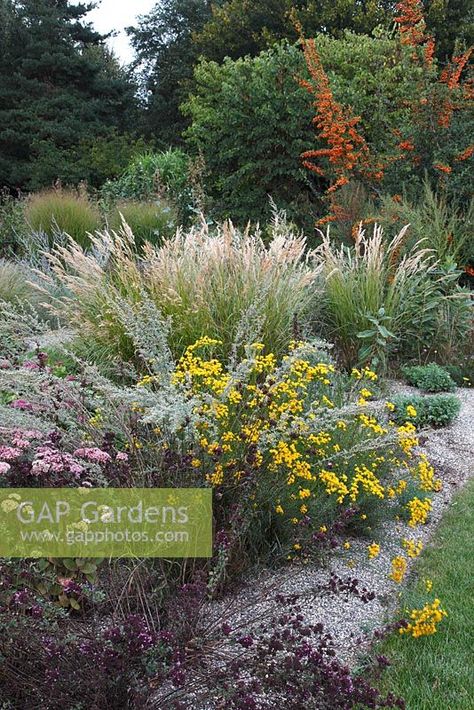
238,28
260,117
377,338
149,221
429,378
434,410
60,89
462,373
105,157
64,211
446,227
165,56
150,175
12,224
253,110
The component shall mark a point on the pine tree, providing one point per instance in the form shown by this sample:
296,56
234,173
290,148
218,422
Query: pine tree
59,88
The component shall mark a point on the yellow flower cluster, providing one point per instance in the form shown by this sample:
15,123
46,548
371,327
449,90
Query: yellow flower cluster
288,456
407,438
399,568
419,511
398,490
411,411
366,372
201,373
373,550
424,621
265,422
424,472
372,423
368,481
412,547
334,484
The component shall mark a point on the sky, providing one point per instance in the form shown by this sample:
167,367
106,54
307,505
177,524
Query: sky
116,15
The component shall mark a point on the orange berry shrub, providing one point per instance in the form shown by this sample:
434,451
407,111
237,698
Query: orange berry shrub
437,138
346,156
420,127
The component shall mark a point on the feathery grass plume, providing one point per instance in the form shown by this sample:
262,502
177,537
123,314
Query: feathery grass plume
359,282
203,282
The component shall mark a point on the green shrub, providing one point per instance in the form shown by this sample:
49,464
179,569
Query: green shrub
149,221
66,211
429,378
150,175
431,410
12,224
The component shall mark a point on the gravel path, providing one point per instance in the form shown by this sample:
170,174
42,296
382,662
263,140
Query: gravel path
347,618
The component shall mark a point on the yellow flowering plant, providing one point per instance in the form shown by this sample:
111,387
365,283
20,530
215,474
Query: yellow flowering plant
288,447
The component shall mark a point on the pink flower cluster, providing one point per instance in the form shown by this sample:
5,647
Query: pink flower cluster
48,459
93,454
9,453
4,468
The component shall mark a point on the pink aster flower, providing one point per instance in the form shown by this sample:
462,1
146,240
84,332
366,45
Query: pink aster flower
122,456
4,468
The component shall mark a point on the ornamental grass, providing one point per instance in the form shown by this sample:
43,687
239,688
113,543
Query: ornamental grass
225,284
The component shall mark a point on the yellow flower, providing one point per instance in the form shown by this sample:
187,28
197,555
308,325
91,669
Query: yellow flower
234,396
297,546
425,473
419,511
370,374
334,484
373,550
279,510
217,477
347,545
424,621
390,406
399,568
412,547
411,411
195,463
304,493
428,585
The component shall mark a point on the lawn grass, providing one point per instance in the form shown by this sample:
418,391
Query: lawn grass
437,672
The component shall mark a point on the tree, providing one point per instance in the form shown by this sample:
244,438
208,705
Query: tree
259,118
250,122
165,59
239,28
59,88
